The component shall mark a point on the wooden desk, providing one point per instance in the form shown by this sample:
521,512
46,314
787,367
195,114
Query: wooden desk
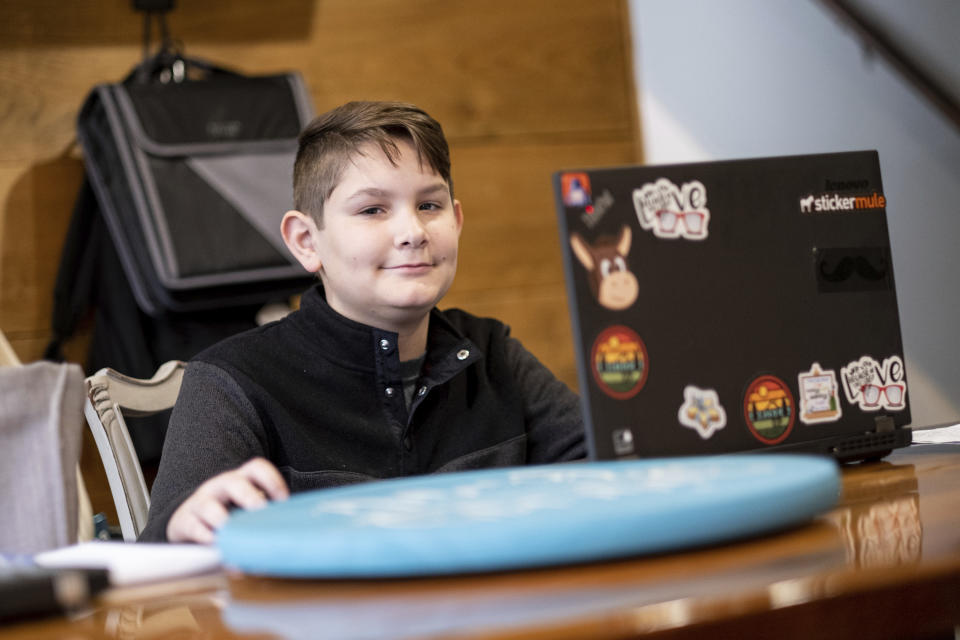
885,564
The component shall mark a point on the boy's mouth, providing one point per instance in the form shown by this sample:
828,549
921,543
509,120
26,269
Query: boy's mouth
410,267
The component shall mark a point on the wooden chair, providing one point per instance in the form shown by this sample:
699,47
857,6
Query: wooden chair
110,395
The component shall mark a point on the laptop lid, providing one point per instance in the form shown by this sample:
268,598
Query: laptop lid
734,306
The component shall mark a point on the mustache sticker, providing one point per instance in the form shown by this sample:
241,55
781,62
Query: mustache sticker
853,269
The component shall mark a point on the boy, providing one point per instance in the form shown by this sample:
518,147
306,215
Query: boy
367,380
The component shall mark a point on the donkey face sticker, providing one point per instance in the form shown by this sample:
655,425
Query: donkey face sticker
611,281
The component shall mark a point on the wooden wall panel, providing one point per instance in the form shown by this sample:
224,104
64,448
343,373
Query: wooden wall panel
31,234
491,68
522,88
56,23
41,90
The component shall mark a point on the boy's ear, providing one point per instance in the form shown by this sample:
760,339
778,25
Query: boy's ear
458,212
299,234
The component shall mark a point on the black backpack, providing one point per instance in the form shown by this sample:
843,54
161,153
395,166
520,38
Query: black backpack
174,240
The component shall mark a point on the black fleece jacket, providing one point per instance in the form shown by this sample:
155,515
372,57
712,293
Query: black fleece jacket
321,397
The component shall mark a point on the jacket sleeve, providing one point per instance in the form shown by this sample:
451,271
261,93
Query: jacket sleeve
213,428
552,412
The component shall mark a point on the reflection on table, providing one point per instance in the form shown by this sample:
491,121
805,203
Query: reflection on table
880,519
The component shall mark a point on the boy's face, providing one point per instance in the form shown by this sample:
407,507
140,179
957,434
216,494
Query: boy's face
387,251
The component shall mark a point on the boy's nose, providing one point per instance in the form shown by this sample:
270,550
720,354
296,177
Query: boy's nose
410,229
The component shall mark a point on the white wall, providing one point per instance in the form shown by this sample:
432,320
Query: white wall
742,78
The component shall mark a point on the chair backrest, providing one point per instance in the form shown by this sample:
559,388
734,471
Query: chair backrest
110,395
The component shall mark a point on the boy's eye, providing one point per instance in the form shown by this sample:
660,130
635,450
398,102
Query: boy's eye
429,206
371,211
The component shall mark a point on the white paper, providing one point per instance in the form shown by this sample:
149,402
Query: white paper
949,434
134,563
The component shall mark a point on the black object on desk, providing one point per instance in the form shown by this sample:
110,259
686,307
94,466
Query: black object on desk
29,591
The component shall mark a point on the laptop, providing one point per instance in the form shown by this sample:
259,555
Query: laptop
744,305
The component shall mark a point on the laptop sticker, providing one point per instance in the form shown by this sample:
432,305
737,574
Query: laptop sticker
819,395
701,410
593,214
612,283
575,190
622,442
849,269
768,408
576,193
620,362
872,385
835,202
669,211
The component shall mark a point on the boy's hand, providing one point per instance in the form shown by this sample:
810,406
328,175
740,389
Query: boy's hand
247,487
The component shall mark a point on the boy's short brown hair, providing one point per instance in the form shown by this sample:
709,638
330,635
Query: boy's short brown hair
331,139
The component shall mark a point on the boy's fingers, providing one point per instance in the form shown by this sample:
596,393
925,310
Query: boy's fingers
212,513
248,487
266,477
244,494
186,525
199,532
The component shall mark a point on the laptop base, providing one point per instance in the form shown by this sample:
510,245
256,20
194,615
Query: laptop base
866,447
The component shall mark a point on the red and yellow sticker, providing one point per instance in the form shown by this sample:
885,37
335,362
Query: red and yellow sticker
769,409
620,362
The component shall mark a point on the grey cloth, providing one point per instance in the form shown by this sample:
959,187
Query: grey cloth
41,427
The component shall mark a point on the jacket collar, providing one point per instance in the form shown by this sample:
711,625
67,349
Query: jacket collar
361,347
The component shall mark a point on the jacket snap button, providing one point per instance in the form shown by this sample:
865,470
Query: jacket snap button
422,391
389,391
384,344
463,354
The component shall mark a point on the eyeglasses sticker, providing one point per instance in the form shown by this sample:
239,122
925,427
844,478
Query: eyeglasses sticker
874,386
819,395
613,284
701,410
620,362
673,212
768,409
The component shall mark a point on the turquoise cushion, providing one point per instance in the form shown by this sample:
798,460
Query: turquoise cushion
519,517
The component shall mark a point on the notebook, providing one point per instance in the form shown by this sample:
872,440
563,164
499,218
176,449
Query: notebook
743,305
